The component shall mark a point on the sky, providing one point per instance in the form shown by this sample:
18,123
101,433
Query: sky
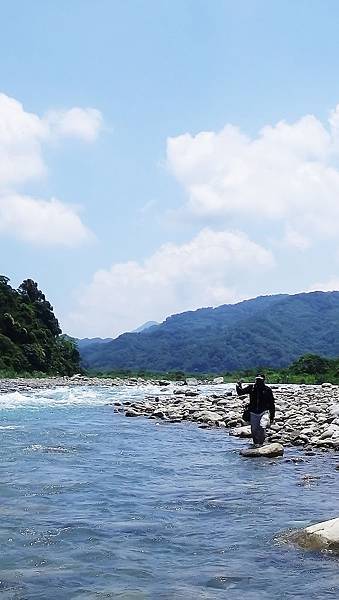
158,156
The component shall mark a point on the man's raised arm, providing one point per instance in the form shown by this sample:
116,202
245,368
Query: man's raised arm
241,391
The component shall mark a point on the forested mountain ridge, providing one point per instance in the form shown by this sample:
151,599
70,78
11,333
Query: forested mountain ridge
265,331
30,335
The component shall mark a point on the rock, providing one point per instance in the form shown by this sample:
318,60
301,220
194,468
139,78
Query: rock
243,432
218,380
159,414
207,416
191,381
326,385
132,413
323,535
268,451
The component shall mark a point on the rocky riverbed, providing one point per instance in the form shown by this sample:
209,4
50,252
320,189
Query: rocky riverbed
306,416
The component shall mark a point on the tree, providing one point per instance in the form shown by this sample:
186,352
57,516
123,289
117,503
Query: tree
311,364
30,337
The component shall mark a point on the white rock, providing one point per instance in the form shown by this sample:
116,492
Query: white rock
218,380
191,381
241,431
323,535
268,451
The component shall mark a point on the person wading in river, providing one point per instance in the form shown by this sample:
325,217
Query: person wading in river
261,407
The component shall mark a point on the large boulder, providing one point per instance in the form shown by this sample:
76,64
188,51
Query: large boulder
268,451
323,535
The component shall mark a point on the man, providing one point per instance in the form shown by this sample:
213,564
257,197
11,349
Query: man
261,407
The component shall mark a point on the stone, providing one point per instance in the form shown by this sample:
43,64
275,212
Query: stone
132,413
191,381
243,432
218,380
267,451
323,535
207,416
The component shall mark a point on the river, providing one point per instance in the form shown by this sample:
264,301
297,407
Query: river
97,506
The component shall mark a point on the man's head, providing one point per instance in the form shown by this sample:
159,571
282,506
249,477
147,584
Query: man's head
260,380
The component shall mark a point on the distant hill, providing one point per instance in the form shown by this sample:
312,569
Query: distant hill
145,326
265,331
85,342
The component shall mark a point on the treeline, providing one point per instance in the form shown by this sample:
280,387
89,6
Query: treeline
309,369
30,335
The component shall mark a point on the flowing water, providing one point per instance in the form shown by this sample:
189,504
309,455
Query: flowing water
95,506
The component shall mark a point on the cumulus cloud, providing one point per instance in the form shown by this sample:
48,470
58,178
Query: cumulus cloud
81,123
47,222
288,174
22,138
202,272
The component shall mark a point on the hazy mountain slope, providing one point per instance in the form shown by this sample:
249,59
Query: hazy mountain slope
145,326
85,342
266,331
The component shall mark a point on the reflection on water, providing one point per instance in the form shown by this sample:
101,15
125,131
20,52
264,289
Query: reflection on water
98,506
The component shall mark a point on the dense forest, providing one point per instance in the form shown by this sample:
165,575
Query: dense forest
268,331
30,335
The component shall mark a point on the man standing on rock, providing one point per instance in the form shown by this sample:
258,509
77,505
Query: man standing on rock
261,407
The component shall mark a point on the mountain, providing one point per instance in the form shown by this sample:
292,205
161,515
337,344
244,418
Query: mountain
265,331
145,326
85,342
30,336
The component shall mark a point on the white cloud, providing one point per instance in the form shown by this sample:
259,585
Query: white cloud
288,174
22,139
21,135
296,240
330,285
202,272
47,222
81,123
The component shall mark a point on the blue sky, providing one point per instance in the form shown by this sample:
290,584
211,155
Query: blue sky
104,107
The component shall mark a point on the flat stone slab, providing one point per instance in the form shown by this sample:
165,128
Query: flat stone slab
268,451
322,536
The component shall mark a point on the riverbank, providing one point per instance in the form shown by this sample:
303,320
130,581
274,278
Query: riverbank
306,416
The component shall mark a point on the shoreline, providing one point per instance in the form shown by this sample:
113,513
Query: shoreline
307,416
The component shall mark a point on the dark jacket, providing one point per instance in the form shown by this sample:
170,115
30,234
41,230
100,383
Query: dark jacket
261,398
